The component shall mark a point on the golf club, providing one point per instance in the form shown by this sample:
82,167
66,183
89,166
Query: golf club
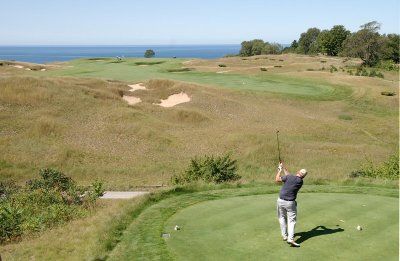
279,151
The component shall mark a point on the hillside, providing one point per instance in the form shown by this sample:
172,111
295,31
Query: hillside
72,116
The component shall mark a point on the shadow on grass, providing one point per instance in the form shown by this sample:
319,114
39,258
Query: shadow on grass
317,231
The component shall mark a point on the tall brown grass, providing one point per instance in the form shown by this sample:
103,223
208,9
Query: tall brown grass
84,128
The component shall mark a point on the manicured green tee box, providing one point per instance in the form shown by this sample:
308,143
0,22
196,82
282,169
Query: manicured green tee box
246,228
241,224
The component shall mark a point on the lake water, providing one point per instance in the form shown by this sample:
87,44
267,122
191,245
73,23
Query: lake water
46,54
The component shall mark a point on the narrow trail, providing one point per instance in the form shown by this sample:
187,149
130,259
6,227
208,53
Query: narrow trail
123,194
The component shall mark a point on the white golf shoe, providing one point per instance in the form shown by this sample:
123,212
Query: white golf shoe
293,244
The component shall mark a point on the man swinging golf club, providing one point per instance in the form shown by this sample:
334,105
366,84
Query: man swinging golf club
286,204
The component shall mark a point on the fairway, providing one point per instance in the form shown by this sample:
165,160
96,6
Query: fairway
246,228
136,69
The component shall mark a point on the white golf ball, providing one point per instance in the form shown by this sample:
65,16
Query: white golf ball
177,227
359,228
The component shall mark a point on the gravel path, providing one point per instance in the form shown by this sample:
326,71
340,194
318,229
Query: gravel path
122,194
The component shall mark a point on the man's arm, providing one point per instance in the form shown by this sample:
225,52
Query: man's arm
286,171
278,177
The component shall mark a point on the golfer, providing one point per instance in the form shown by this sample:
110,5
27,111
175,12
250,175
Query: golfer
287,205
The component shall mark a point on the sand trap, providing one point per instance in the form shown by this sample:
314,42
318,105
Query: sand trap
135,87
224,71
131,100
18,66
175,99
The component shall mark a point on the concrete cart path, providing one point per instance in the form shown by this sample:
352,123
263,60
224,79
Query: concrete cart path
123,194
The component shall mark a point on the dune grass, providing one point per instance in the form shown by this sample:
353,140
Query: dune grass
83,127
83,239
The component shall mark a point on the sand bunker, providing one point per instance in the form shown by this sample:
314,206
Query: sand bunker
175,99
18,66
131,100
135,87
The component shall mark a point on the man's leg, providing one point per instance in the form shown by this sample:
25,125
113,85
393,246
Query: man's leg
282,217
292,216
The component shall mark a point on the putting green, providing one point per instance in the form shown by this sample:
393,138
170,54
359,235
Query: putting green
246,228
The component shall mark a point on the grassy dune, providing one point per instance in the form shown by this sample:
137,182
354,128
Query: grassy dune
72,117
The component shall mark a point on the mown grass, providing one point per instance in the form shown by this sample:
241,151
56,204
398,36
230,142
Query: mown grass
143,240
241,227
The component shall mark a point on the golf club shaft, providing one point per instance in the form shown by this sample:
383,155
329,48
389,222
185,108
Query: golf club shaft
279,151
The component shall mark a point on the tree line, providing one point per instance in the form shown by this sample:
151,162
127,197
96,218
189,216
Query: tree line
367,44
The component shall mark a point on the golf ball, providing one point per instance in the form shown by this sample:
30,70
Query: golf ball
177,227
359,228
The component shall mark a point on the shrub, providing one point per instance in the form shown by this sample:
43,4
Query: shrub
7,188
51,179
388,65
217,169
149,53
388,170
345,117
263,69
97,188
10,222
222,65
388,93
54,199
372,73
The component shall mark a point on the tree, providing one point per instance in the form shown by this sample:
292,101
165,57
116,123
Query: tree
308,41
250,48
392,47
373,26
330,42
294,44
365,44
272,48
149,53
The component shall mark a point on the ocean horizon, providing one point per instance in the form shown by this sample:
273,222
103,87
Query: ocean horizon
60,53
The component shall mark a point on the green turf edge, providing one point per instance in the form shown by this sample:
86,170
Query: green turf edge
138,234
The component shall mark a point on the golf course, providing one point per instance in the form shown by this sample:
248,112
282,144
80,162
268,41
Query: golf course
135,124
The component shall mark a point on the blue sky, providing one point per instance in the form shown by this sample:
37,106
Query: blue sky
131,22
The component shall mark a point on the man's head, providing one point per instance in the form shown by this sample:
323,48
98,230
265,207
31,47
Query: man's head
302,173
